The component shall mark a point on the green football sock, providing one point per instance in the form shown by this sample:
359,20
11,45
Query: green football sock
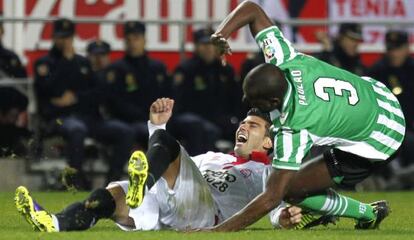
333,203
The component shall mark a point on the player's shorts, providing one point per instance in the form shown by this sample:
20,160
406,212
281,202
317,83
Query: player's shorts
188,205
347,169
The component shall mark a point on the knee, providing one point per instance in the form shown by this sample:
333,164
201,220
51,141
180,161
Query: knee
102,202
162,139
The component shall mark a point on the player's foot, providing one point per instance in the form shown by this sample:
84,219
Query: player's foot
310,220
138,173
381,210
35,215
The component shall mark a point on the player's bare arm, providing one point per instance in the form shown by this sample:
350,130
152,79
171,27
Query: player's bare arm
247,13
276,188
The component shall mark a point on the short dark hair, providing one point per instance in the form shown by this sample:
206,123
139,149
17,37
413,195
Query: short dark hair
263,115
265,81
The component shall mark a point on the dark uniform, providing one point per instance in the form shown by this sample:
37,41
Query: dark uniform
135,82
338,57
207,92
54,76
12,103
99,48
400,80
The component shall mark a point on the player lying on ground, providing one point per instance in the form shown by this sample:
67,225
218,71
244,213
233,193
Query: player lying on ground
312,102
185,193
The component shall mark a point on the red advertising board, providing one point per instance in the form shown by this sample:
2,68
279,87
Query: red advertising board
163,40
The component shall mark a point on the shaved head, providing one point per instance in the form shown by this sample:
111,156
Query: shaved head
265,86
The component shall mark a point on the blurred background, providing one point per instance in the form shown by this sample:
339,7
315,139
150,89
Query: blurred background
77,78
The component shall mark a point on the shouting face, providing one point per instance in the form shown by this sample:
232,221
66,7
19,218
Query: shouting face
252,135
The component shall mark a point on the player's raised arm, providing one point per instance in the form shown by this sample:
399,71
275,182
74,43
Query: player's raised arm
247,13
161,111
275,47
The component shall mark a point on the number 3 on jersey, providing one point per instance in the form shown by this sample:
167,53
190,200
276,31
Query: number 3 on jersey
338,86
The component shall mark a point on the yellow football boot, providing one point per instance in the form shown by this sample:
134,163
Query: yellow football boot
138,173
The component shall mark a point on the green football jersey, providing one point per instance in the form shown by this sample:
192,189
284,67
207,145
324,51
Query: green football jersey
328,106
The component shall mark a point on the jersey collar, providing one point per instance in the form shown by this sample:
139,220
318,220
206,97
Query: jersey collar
255,156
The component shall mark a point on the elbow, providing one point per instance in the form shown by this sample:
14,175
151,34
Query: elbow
251,5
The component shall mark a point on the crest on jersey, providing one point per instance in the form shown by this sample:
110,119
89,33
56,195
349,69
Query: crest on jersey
269,51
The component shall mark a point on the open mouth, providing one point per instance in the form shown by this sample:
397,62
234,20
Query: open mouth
241,138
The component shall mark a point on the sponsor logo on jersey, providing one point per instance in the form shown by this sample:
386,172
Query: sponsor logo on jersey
246,172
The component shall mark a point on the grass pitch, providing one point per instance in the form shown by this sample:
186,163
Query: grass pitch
399,225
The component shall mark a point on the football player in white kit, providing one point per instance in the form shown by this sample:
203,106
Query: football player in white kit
182,193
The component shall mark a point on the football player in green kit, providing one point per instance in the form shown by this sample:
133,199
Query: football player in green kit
314,103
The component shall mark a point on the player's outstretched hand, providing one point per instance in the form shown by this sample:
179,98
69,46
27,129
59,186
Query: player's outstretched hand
290,216
161,111
222,45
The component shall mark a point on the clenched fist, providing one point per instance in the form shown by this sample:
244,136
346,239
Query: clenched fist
161,111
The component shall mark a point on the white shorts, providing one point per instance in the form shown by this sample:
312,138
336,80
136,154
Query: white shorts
189,205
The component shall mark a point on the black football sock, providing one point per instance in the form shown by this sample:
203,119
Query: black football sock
83,215
163,149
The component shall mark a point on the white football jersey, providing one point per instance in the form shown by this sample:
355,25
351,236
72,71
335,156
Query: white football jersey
234,181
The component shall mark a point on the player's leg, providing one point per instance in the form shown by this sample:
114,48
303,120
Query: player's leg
180,188
185,201
334,168
77,216
161,158
121,213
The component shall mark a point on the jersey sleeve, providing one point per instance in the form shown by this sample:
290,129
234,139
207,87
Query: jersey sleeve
275,47
290,147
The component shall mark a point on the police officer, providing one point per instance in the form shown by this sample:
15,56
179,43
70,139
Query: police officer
207,91
396,70
68,100
136,81
13,104
98,55
343,51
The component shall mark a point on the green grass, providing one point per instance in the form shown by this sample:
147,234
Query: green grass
399,225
